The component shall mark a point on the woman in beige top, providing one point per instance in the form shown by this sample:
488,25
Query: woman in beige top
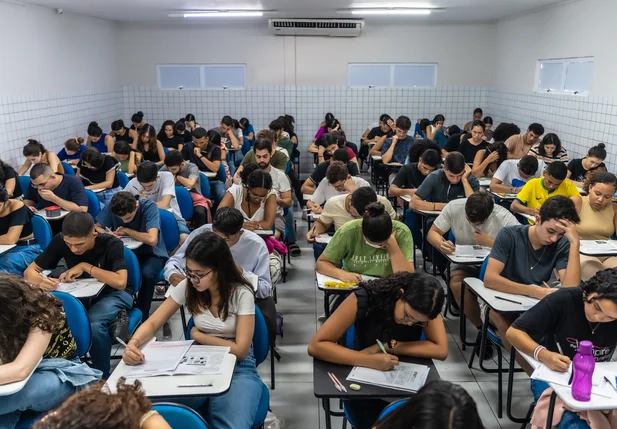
598,219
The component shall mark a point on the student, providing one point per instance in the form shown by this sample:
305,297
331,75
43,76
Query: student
524,256
562,320
436,125
439,404
254,198
247,130
453,143
470,146
168,138
344,208
137,121
310,184
480,225
338,181
8,179
120,133
325,146
504,131
159,187
396,310
579,167
125,157
377,130
95,407
537,191
138,219
100,140
72,150
421,127
205,152
487,161
228,138
512,174
36,153
191,123
441,186
34,327
549,149
322,127
283,142
520,144
148,146
598,219
395,149
374,245
278,158
222,303
488,129
411,176
88,253
98,171
477,116
180,130
55,189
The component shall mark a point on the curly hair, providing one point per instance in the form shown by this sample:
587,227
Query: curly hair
22,308
604,284
95,408
599,176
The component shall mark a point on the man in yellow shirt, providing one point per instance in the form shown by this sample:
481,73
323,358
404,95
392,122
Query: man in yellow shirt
536,191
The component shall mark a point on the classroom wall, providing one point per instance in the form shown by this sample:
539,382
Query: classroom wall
58,74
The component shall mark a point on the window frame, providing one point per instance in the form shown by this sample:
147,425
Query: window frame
392,67
564,73
202,76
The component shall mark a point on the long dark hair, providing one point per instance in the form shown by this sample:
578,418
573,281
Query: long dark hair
209,250
439,404
34,148
502,151
23,307
93,157
161,135
4,165
419,147
553,139
147,128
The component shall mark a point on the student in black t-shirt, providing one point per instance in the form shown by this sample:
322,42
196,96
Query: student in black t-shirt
98,171
205,152
8,178
149,146
562,320
180,129
311,183
89,254
470,146
168,137
16,228
395,310
578,168
55,189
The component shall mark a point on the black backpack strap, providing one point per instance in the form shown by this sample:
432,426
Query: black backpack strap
363,303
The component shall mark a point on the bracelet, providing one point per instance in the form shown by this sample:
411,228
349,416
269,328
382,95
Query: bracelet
91,268
433,206
537,350
146,417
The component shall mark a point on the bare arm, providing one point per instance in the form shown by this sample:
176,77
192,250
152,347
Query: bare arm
9,185
245,326
308,187
435,237
318,228
397,258
285,200
12,235
434,347
160,152
134,161
518,207
109,143
325,267
269,213
164,202
498,186
211,165
24,167
494,280
387,157
187,181
395,191
150,237
376,149
419,204
27,359
53,161
524,343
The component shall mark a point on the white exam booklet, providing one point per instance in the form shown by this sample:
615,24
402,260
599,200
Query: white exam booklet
161,358
406,376
471,251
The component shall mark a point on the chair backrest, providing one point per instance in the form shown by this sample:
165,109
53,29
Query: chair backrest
222,175
451,237
261,342
483,269
185,202
123,179
134,272
94,206
169,229
42,231
180,416
391,407
68,169
246,146
24,183
288,167
204,184
77,319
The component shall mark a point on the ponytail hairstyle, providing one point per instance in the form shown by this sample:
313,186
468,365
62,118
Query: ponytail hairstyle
73,144
259,179
598,151
34,148
117,125
137,118
376,223
246,172
94,130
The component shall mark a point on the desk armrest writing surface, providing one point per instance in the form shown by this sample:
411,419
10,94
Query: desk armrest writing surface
322,279
323,239
11,388
92,290
489,296
6,247
588,248
166,386
376,157
485,182
324,388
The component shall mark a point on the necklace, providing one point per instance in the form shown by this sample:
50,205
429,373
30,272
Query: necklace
536,264
593,330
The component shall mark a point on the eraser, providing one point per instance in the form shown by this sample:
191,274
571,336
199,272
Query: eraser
354,386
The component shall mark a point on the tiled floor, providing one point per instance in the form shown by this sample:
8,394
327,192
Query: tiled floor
293,401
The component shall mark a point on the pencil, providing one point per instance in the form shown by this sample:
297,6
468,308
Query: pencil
339,383
509,300
334,381
546,285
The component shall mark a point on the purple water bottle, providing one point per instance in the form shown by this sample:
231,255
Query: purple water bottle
583,365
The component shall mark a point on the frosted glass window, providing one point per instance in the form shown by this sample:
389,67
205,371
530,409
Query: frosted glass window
225,76
578,76
174,77
551,77
365,75
414,75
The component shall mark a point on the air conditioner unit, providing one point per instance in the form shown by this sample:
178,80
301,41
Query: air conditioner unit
316,27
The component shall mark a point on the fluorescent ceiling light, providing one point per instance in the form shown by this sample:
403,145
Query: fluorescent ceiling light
390,11
223,14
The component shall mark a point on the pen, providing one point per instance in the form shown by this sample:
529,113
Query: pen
380,344
334,381
339,383
196,385
107,229
558,345
546,285
509,300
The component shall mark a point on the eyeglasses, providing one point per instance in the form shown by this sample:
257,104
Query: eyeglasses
256,197
34,185
194,278
410,321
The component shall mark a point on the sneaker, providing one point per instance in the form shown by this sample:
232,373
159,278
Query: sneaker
294,250
160,289
167,334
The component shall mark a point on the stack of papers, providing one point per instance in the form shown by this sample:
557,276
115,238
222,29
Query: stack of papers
472,251
202,360
406,376
71,287
161,358
599,246
599,384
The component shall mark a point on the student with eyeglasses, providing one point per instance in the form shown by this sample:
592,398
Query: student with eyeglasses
254,198
396,310
222,303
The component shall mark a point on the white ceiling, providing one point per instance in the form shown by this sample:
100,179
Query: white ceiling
157,10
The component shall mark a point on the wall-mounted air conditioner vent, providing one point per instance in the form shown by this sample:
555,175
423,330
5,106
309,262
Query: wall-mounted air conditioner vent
316,27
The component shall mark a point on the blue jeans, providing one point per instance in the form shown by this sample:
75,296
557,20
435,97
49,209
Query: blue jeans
16,260
151,265
318,249
102,312
569,420
106,195
290,220
217,189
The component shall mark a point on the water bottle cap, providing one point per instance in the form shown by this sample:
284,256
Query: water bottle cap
585,347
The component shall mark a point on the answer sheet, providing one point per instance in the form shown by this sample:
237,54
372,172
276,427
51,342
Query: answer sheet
471,251
202,360
161,358
406,376
71,287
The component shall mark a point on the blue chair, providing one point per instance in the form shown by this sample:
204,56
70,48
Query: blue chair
68,168
42,231
24,183
221,175
133,280
123,179
180,416
261,344
204,184
391,407
169,229
94,206
246,146
77,319
185,202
